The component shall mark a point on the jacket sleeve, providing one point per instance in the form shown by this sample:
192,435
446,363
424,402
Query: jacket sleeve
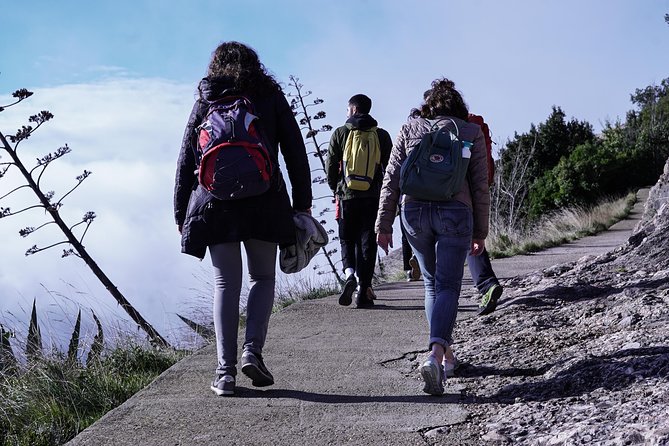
186,165
478,186
390,189
333,160
294,154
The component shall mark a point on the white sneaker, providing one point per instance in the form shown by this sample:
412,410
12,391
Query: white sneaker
431,373
448,367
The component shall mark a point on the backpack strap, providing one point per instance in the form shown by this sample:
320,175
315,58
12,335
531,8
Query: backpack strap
436,124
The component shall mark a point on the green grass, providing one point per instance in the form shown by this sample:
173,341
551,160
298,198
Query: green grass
49,401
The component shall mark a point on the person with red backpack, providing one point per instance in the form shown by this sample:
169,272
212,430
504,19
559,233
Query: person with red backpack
480,267
228,187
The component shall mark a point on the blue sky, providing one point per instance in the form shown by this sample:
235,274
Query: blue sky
120,78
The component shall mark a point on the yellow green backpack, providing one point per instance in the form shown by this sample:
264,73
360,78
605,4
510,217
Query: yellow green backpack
361,158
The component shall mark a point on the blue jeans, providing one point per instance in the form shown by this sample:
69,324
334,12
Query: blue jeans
440,234
226,259
481,270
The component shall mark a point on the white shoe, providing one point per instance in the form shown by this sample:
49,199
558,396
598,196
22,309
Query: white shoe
448,367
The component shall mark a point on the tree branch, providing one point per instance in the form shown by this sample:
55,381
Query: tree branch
6,212
13,190
34,249
81,179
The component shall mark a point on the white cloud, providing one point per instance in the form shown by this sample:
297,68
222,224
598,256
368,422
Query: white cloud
128,133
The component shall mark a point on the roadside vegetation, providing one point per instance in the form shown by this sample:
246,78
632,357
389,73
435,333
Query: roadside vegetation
48,397
560,227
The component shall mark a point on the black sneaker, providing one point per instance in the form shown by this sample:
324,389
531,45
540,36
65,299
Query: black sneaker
414,272
254,367
489,300
363,300
224,385
346,296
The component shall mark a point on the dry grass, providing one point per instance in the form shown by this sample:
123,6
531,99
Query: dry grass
560,227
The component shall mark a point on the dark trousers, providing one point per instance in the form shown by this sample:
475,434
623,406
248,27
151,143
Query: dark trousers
357,237
407,252
481,270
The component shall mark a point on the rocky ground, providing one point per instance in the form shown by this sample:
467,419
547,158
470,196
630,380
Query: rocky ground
575,354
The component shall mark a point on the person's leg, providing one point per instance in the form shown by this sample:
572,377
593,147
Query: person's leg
346,226
416,221
409,261
453,223
368,248
261,258
348,235
481,270
407,252
227,265
485,280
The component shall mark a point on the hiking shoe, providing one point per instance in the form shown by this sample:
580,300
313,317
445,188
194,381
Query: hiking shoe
449,367
224,385
363,302
346,296
430,370
489,300
415,269
254,367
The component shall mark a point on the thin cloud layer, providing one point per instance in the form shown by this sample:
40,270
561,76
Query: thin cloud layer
127,133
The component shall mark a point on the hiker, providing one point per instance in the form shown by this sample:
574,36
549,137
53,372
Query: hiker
441,232
480,268
357,156
223,225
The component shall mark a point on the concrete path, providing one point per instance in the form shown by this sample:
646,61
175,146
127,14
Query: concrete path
343,376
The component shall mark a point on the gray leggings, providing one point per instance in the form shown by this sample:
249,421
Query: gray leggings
226,259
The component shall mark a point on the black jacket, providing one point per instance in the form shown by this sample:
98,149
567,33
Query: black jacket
206,220
335,177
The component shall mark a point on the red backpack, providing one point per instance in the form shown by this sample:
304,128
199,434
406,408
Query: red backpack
236,160
477,119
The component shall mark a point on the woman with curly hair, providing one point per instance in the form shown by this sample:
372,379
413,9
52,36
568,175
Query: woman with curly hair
223,226
441,233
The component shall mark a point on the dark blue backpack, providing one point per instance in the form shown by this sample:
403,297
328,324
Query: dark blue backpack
436,168
236,160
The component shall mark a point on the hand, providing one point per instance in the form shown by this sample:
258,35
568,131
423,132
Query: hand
478,245
384,241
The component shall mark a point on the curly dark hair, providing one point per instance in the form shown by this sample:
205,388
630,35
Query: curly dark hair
443,100
240,63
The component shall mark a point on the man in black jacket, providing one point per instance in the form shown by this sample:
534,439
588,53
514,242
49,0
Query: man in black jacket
357,205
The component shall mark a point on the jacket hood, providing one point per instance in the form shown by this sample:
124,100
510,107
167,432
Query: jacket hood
361,121
212,88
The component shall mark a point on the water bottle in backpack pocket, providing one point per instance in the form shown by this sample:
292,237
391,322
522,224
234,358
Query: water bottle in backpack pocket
235,158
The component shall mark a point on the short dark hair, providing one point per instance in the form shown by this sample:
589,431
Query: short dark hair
361,102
